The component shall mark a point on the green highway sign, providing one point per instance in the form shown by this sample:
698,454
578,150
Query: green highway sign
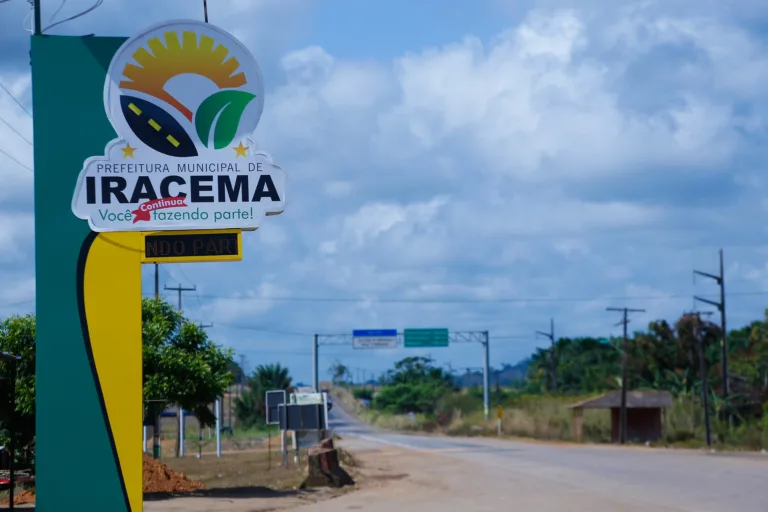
416,338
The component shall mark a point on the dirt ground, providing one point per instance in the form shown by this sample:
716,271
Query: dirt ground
239,482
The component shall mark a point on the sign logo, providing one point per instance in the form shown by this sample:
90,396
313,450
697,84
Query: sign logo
185,98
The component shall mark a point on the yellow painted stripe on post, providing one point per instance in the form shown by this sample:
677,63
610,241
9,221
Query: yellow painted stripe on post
112,299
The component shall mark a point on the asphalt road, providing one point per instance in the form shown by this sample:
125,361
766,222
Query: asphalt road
577,477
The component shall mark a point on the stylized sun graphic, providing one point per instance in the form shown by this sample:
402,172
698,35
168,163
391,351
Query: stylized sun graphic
180,57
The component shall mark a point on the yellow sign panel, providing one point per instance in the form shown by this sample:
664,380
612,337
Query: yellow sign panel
192,246
499,412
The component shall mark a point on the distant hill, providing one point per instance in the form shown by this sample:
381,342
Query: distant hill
507,375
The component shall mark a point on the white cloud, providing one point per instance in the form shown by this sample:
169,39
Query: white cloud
338,188
242,306
16,233
376,219
565,157
17,290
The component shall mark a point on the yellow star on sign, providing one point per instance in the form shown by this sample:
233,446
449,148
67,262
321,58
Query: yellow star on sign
127,151
240,149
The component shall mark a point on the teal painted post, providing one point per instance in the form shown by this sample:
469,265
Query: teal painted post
70,125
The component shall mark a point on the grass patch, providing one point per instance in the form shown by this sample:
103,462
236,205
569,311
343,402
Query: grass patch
549,417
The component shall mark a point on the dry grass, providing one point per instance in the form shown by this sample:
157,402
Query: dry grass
550,418
241,470
536,417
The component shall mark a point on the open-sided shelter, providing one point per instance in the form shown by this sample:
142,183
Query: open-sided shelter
644,414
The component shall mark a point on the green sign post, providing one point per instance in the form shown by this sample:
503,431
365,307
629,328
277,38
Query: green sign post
419,338
73,436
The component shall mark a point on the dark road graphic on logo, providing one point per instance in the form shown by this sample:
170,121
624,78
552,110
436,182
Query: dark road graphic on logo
157,128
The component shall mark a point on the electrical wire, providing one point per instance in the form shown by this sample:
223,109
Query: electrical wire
74,17
56,13
196,293
520,300
15,160
15,99
14,130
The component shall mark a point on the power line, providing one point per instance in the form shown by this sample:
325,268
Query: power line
78,15
180,289
57,11
16,160
15,99
521,300
196,294
14,130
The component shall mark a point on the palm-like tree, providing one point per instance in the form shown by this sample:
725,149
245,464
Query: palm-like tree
250,408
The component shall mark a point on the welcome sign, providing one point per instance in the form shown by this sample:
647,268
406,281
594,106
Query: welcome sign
185,98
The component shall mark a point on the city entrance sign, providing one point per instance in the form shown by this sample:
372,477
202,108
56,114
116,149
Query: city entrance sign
180,178
184,156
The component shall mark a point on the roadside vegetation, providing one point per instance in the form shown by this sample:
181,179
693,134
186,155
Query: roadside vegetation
417,395
182,366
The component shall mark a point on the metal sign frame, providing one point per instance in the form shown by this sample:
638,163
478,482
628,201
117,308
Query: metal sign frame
269,419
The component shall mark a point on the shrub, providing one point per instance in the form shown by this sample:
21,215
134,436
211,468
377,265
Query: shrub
363,394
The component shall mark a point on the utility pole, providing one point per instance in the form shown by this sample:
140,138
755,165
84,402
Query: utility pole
623,411
553,356
199,425
181,425
242,375
315,366
720,280
156,420
181,289
486,377
702,373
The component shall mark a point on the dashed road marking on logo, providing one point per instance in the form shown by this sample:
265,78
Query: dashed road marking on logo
154,124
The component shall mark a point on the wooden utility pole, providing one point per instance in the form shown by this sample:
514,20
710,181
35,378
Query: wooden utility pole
552,354
157,282
180,289
697,332
623,411
720,280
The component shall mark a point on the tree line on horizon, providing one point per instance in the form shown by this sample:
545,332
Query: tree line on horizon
664,356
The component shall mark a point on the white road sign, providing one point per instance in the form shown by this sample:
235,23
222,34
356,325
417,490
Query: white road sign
378,338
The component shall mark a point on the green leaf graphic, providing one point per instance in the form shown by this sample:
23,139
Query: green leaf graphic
231,105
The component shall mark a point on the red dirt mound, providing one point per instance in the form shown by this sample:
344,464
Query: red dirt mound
160,478
27,496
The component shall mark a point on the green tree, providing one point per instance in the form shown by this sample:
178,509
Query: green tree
17,337
414,385
182,366
250,409
339,373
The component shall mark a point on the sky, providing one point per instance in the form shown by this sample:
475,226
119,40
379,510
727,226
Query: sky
483,165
